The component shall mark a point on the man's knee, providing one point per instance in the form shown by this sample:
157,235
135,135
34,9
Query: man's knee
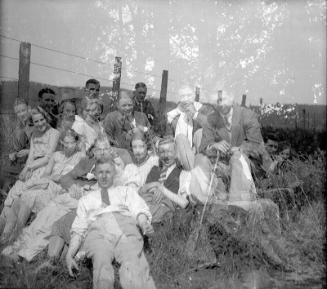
135,272
203,162
103,272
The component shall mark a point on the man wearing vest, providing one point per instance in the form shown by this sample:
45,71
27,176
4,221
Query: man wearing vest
167,185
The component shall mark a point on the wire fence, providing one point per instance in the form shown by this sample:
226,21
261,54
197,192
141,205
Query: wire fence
84,58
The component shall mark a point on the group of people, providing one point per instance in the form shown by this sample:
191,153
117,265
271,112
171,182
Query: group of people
96,184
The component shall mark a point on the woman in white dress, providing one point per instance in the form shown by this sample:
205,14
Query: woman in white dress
34,238
43,143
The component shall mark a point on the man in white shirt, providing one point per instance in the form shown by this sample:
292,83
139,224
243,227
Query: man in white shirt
185,122
107,221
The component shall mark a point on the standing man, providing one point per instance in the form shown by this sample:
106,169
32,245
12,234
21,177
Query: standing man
47,101
122,123
107,220
141,104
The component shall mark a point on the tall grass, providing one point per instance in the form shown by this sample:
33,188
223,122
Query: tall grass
303,231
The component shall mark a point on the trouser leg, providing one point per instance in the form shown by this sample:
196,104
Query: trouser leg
23,215
2,221
10,216
101,253
241,186
55,247
185,154
134,270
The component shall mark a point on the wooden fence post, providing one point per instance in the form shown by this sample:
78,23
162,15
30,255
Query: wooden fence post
243,100
116,80
303,111
197,93
220,94
24,70
261,101
162,102
308,118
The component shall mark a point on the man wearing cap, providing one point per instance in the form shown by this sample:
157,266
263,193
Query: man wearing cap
142,104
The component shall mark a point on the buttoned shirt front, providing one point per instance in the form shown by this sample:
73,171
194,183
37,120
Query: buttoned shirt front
124,200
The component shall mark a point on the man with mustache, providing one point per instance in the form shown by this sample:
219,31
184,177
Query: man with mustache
167,185
122,123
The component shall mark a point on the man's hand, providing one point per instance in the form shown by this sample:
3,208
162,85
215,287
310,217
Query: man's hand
157,195
145,225
147,228
22,153
222,146
12,157
150,186
71,264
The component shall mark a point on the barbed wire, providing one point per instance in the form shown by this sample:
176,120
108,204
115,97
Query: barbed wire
58,51
8,77
80,56
60,69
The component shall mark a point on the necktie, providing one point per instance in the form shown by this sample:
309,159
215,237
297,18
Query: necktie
105,197
163,175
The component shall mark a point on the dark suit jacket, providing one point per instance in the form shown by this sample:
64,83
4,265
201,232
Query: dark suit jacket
118,128
245,132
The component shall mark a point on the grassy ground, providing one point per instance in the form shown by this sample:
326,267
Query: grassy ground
240,266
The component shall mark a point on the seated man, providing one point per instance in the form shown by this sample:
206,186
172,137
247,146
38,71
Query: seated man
233,133
142,104
122,123
20,145
107,220
239,137
167,184
82,176
185,122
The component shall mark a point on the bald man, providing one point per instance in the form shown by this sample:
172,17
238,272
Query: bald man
185,123
122,123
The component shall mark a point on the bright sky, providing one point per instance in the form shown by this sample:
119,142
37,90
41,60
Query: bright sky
270,49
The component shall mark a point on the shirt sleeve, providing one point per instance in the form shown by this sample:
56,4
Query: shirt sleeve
78,127
172,114
20,140
136,204
80,224
53,142
184,184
